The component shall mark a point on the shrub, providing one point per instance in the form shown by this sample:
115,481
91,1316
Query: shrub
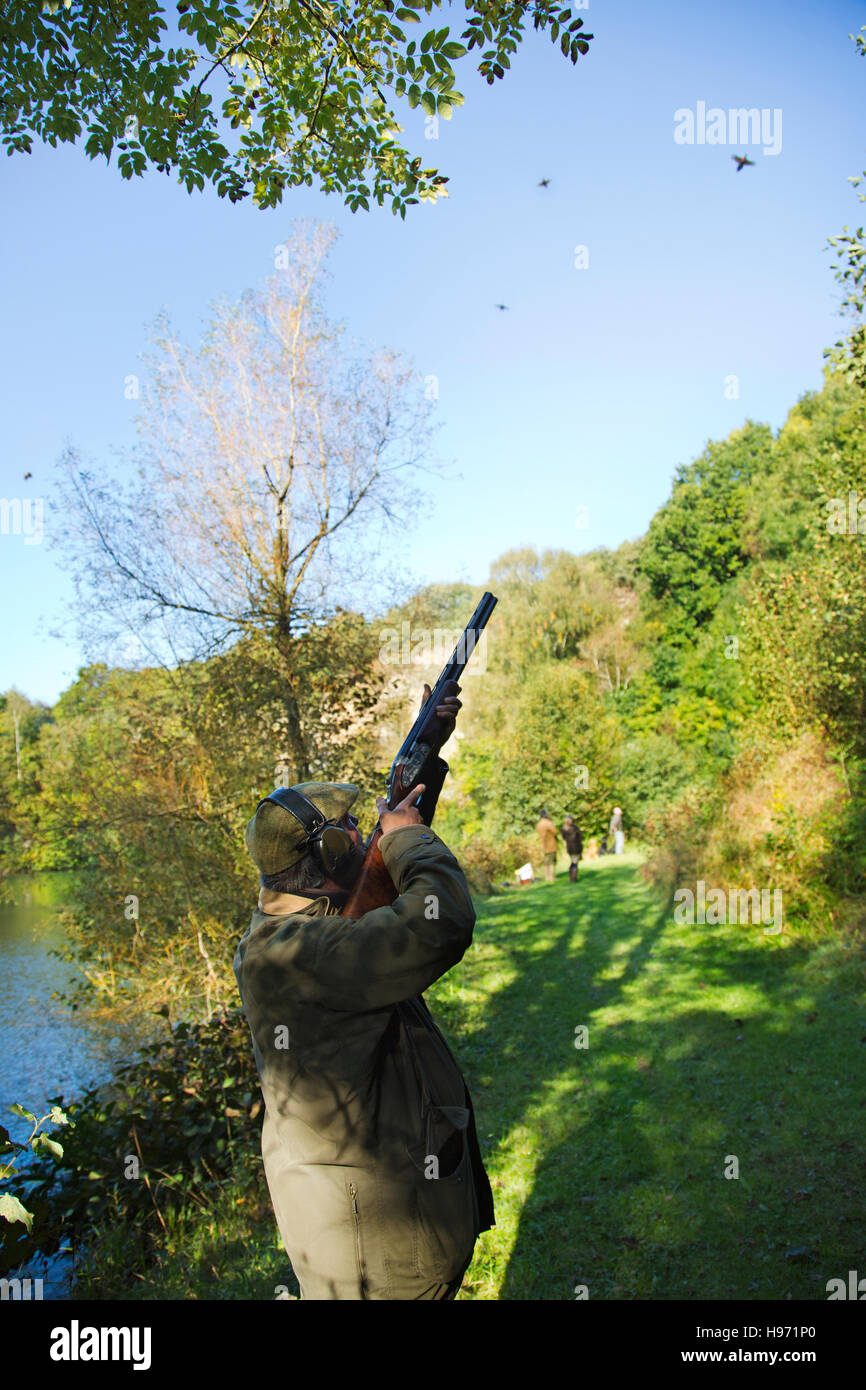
171,1127
486,863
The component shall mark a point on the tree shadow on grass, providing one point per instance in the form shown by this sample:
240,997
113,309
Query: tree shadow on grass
527,1037
629,1195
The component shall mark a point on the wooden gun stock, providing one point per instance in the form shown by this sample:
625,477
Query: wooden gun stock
374,886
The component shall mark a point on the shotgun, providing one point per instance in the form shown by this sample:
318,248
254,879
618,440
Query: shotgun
417,761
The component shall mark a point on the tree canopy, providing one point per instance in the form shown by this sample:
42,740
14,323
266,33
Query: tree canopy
310,87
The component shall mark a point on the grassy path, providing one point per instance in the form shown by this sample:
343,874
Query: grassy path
608,1162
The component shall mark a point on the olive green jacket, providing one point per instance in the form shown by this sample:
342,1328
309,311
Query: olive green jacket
369,1141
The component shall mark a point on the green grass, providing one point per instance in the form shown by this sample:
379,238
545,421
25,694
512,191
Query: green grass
232,1250
608,1162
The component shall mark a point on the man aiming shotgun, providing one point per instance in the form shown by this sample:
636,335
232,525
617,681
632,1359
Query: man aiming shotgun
369,1143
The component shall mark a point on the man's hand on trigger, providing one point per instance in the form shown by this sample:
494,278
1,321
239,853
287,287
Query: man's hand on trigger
406,813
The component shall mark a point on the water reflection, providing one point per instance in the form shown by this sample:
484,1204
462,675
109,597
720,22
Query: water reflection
47,1049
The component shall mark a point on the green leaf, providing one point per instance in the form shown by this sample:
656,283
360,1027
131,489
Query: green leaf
11,1208
454,50
49,1145
17,1109
414,95
428,103
408,16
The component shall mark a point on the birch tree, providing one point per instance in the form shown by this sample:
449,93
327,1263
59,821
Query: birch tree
274,458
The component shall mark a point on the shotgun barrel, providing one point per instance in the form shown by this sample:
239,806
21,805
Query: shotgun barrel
421,740
417,761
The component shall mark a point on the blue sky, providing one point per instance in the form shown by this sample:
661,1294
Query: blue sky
594,385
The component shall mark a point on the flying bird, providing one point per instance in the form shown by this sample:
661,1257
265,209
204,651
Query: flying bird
741,160
27,475
501,306
543,183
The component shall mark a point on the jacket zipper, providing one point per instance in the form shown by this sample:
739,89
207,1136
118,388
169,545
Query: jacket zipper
354,1195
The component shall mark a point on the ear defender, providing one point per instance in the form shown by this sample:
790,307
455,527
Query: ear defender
335,850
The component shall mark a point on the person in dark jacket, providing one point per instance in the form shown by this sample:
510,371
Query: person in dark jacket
369,1142
573,844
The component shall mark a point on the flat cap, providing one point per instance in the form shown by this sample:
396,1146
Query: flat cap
274,836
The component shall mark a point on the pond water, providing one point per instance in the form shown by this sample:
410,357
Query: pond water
47,1050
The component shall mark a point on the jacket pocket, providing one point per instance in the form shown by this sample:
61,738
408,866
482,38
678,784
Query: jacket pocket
445,1205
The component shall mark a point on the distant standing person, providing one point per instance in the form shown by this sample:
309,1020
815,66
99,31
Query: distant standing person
616,830
574,844
547,834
